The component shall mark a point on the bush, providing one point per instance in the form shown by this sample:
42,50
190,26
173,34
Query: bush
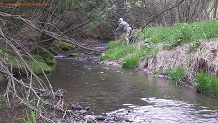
131,61
177,75
207,84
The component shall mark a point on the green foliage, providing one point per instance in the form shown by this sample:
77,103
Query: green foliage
116,50
177,75
148,52
38,67
63,45
47,57
131,61
31,113
170,37
46,61
180,33
131,54
207,84
31,116
74,54
52,51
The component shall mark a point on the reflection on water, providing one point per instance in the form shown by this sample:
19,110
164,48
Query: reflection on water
114,90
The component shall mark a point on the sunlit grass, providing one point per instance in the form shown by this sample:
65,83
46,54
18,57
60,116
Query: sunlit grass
180,33
116,50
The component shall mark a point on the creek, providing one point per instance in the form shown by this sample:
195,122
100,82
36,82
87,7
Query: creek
130,96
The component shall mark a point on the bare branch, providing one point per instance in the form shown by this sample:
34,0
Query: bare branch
156,16
49,33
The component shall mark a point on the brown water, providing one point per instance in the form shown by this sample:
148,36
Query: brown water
130,95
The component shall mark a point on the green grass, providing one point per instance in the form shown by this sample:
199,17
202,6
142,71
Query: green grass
31,112
130,54
177,75
131,61
31,116
180,33
207,84
116,50
188,34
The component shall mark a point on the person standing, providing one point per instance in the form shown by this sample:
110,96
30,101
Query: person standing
124,26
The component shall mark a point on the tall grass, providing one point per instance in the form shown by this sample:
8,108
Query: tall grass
131,61
207,84
32,111
31,116
177,75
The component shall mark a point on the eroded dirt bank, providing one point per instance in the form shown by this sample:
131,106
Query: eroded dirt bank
205,58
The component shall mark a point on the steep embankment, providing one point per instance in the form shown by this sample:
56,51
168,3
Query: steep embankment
204,59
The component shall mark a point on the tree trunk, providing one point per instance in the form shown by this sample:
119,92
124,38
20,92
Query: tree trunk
215,8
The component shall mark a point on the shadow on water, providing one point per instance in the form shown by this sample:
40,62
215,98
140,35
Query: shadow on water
130,95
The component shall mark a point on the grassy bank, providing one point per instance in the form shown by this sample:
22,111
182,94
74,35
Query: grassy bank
167,49
166,37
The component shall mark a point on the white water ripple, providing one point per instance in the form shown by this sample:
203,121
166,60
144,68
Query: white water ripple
163,111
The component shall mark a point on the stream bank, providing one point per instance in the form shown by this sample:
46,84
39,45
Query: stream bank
112,94
184,64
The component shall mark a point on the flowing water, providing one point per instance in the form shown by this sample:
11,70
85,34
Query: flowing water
129,95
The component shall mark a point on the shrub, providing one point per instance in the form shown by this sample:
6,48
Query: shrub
177,75
207,84
131,61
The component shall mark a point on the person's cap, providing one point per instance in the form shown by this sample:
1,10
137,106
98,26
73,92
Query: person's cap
121,19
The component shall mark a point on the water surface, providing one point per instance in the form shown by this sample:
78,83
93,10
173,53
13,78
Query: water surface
132,96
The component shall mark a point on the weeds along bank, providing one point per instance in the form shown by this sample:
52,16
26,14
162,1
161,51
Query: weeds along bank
185,52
